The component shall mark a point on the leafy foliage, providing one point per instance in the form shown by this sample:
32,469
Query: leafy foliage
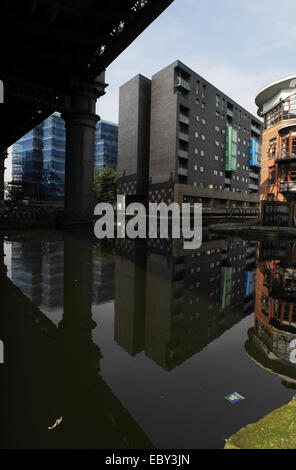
105,185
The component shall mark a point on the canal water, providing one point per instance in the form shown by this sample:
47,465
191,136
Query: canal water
136,344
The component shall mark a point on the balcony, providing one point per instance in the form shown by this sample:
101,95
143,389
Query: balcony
254,187
182,83
288,187
255,130
281,157
183,136
183,154
255,176
229,113
227,181
182,171
184,119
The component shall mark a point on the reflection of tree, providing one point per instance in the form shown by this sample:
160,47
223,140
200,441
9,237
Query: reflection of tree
104,250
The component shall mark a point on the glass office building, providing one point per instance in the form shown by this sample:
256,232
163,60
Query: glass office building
38,158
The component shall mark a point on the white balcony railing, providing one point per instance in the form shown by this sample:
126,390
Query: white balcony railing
182,83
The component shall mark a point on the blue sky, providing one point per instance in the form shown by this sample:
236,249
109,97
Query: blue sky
238,45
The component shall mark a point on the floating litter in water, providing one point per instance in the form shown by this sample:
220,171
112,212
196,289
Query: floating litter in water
234,398
57,423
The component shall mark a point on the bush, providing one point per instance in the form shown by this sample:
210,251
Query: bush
105,185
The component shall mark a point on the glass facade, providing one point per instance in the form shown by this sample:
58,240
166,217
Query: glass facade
106,142
38,158
283,111
255,152
231,149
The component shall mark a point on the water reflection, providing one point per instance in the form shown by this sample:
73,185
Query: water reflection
172,304
53,370
275,311
178,324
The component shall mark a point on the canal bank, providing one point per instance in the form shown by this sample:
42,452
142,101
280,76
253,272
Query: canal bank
277,430
253,230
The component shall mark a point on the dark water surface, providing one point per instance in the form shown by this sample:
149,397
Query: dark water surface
136,345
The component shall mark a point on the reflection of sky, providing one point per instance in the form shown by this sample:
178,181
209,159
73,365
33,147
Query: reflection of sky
185,408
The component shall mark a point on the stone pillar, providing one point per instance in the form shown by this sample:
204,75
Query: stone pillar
80,120
3,156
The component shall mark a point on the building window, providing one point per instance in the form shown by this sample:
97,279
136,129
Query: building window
271,177
217,143
218,101
201,169
202,153
195,167
196,151
272,148
197,118
288,144
215,172
217,128
204,87
196,135
203,137
197,87
216,158
203,121
197,101
203,105
217,114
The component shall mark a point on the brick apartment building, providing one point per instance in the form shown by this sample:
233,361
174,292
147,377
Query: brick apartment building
277,105
183,140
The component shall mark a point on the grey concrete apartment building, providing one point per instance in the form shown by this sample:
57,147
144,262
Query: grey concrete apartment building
183,140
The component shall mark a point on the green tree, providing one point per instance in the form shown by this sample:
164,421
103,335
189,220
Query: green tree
105,185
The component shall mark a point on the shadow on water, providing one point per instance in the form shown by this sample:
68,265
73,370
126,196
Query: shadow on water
135,344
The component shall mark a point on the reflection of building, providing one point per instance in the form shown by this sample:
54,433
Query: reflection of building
38,270
177,304
38,158
275,310
103,281
200,144
58,365
130,291
277,104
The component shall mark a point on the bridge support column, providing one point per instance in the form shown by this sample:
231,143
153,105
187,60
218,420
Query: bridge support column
80,120
3,156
